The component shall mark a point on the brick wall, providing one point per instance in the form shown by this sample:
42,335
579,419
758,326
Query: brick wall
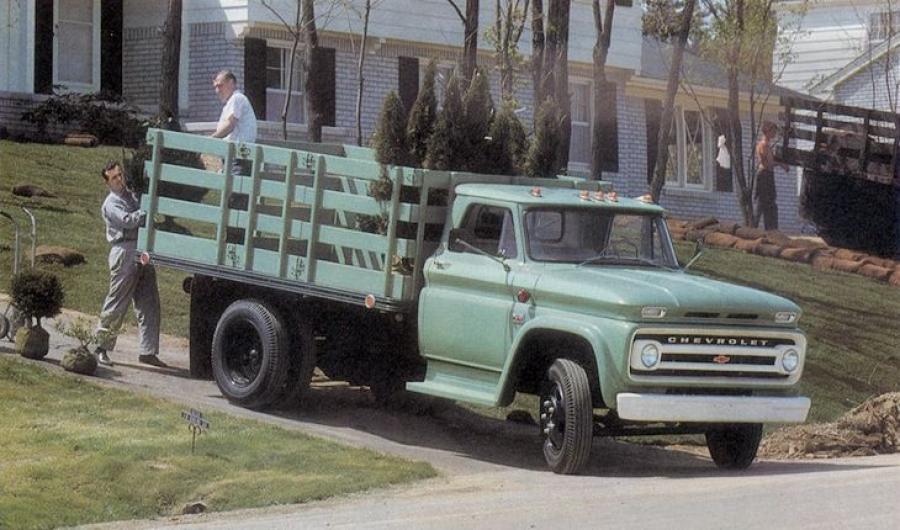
210,51
142,66
12,105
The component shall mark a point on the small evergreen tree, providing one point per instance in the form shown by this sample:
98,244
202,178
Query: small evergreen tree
542,155
445,144
390,136
508,143
422,117
479,110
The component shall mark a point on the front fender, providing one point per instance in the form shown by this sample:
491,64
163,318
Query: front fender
607,338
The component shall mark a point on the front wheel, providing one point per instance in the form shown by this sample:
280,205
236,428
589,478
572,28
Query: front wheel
734,446
566,417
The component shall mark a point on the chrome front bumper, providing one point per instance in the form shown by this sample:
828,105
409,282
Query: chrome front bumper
711,409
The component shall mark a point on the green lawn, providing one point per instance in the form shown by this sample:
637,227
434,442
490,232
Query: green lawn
851,321
76,453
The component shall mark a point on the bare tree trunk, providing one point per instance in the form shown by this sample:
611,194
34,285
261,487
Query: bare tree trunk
290,84
537,52
603,27
668,110
735,132
470,46
168,85
313,66
508,29
359,72
558,53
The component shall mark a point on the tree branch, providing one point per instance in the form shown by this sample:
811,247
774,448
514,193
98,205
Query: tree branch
458,12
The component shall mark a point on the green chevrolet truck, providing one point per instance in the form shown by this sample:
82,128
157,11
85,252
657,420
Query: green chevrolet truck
469,287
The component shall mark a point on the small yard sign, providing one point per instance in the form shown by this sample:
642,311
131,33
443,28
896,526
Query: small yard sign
196,424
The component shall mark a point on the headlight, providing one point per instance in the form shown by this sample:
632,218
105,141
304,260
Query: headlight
650,356
790,360
786,317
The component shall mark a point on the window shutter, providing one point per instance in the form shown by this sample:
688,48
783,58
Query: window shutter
255,75
43,46
724,180
111,46
609,128
408,81
652,113
329,85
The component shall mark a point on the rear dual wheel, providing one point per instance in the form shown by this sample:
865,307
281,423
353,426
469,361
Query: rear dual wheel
252,358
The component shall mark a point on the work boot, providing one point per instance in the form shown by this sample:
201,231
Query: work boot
102,357
152,360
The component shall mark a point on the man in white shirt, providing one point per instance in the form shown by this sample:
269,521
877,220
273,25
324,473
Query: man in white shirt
237,123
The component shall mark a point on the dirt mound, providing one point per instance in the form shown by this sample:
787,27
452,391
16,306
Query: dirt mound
870,429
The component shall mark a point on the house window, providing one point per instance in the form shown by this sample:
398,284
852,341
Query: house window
580,144
277,72
690,163
883,25
77,44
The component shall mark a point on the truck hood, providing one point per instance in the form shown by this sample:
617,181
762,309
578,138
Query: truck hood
619,292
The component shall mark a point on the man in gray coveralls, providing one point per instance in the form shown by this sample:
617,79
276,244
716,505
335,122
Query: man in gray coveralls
128,280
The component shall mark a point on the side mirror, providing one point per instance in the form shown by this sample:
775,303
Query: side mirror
698,251
457,238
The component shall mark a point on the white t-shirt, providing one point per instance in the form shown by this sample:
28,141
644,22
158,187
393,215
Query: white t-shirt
239,106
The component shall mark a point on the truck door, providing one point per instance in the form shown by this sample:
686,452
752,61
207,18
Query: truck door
466,306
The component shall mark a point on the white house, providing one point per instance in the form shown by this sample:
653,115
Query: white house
843,51
89,45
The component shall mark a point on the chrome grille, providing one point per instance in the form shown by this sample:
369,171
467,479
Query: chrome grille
728,354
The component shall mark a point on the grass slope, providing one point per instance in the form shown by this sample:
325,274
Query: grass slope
851,321
72,219
75,453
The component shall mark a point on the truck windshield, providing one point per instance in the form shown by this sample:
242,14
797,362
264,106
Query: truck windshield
597,236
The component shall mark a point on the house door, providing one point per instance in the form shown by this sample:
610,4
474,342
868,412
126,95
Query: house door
76,44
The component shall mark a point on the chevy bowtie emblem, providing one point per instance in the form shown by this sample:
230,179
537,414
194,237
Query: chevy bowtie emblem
721,359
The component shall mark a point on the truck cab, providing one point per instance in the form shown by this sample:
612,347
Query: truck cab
578,297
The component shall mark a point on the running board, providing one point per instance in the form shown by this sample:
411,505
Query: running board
459,383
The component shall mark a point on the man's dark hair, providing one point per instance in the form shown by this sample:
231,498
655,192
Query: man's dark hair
112,164
227,75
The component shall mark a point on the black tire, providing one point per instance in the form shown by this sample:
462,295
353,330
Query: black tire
250,354
566,417
4,327
734,446
301,365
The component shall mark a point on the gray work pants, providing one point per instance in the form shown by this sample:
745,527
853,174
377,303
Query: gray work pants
129,281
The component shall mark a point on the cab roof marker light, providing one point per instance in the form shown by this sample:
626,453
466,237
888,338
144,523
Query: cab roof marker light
536,191
653,312
584,195
613,196
647,198
599,196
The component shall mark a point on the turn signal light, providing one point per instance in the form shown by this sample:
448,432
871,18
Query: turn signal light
370,301
523,296
145,258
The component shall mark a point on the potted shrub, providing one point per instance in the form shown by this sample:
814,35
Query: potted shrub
36,294
80,359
